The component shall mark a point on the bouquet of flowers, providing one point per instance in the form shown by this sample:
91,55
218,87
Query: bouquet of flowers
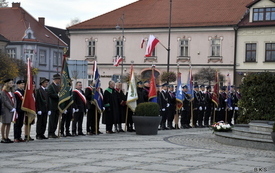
221,127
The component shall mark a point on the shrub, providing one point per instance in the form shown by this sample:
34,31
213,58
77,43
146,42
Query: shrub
147,109
258,90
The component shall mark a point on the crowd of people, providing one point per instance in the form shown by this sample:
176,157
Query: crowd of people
196,110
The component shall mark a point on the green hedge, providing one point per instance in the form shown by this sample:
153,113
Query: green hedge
258,97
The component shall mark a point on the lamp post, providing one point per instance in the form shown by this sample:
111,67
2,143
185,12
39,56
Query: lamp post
169,38
57,56
122,43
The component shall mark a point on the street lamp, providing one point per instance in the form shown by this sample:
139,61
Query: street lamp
122,43
57,56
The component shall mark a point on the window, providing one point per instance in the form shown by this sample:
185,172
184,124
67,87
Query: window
250,52
215,47
119,48
42,57
29,54
183,48
270,52
91,48
11,53
57,59
263,14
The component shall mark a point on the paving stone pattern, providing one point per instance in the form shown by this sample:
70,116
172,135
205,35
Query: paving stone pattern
179,151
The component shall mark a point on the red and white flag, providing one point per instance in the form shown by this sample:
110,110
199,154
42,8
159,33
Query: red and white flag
152,42
117,60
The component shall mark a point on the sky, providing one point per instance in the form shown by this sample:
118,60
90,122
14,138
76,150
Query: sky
59,13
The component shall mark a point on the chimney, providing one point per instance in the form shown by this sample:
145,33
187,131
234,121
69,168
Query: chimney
16,4
41,20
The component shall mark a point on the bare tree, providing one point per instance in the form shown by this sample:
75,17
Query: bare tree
3,3
74,21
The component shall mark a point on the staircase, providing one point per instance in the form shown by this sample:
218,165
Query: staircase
256,134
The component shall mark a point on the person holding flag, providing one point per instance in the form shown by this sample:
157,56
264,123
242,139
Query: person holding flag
19,96
179,99
172,108
89,94
65,100
186,108
208,105
28,103
132,100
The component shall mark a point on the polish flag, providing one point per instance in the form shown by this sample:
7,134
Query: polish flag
117,61
152,42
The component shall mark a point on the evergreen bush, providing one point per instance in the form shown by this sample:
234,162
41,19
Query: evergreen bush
257,102
147,109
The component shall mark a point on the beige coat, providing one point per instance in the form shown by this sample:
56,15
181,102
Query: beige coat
8,103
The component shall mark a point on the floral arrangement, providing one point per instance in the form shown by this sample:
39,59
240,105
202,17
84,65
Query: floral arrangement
221,127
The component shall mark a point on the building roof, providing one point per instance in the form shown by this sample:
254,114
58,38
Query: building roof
245,22
3,39
14,21
155,14
61,33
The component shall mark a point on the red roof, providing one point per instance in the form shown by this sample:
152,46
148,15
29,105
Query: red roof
185,13
15,20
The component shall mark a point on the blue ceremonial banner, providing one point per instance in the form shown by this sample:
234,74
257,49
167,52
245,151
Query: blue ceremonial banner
179,95
98,97
190,84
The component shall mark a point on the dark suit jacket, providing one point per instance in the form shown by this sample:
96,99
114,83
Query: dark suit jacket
78,101
19,99
53,96
89,94
42,100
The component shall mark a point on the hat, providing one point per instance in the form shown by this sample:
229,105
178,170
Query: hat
223,88
146,81
196,86
184,86
56,76
20,81
170,86
7,80
232,86
208,87
202,86
139,82
43,79
165,84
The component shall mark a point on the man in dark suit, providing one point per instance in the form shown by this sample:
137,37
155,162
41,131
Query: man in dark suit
111,106
53,91
89,94
80,108
42,107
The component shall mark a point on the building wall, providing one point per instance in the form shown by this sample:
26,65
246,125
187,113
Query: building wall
199,48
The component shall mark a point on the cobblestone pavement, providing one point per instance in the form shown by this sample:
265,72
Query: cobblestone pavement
186,151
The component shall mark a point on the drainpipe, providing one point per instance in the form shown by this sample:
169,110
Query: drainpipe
235,54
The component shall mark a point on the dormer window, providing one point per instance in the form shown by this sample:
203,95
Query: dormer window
263,14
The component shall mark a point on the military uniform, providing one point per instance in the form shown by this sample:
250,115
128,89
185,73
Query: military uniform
19,96
164,103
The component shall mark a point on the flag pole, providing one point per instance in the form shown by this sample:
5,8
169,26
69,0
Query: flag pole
60,113
96,124
59,123
126,118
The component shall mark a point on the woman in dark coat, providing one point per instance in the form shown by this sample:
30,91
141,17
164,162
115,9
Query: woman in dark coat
8,109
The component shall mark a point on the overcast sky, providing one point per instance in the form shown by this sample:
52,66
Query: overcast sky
59,13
